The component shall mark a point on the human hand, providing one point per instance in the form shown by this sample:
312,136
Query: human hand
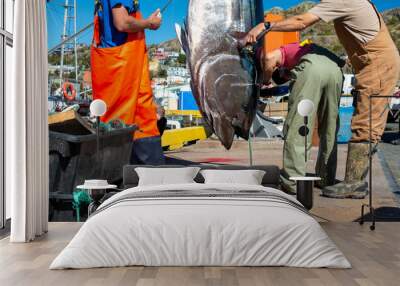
251,37
155,20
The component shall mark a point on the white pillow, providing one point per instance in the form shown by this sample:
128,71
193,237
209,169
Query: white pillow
166,176
245,177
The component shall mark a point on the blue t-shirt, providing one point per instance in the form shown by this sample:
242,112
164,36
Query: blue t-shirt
110,36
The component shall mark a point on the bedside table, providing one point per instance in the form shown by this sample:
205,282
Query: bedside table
305,190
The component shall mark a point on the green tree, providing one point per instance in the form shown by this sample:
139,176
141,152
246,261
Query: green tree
162,73
182,59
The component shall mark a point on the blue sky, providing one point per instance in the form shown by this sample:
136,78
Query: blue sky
175,13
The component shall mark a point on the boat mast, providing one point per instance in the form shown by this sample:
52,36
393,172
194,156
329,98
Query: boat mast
67,18
75,47
63,37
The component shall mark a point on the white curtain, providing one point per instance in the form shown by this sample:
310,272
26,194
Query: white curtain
26,124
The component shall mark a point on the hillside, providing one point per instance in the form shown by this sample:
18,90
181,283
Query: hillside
321,33
324,33
392,19
171,45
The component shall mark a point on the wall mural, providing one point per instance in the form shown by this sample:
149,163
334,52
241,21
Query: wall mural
221,82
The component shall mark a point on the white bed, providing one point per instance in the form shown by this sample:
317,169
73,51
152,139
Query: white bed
242,229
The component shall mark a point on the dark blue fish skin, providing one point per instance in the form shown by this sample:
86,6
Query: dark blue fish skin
223,77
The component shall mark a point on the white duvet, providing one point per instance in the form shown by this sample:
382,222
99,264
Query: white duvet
200,232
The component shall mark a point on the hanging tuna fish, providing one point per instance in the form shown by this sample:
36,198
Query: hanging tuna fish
223,76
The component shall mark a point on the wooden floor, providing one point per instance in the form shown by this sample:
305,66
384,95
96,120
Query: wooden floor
375,257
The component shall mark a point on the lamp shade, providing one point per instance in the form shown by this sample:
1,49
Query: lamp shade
98,108
305,107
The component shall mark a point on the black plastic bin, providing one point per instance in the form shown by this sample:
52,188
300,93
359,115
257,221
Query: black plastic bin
74,159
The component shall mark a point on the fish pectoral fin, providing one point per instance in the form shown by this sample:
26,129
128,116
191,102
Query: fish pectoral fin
182,37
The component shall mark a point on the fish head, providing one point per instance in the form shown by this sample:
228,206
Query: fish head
228,95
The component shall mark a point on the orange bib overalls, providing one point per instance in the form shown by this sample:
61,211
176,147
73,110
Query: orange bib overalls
120,77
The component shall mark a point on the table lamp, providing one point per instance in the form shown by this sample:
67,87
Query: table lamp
98,108
305,185
305,108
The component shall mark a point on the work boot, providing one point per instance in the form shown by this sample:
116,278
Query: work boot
324,182
357,166
321,184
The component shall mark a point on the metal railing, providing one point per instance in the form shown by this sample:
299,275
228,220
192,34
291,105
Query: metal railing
370,205
69,39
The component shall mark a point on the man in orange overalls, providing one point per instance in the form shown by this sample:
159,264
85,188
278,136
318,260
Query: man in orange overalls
120,73
376,62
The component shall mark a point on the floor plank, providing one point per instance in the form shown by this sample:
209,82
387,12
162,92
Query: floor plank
375,257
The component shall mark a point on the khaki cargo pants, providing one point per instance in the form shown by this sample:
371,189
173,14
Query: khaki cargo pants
320,80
